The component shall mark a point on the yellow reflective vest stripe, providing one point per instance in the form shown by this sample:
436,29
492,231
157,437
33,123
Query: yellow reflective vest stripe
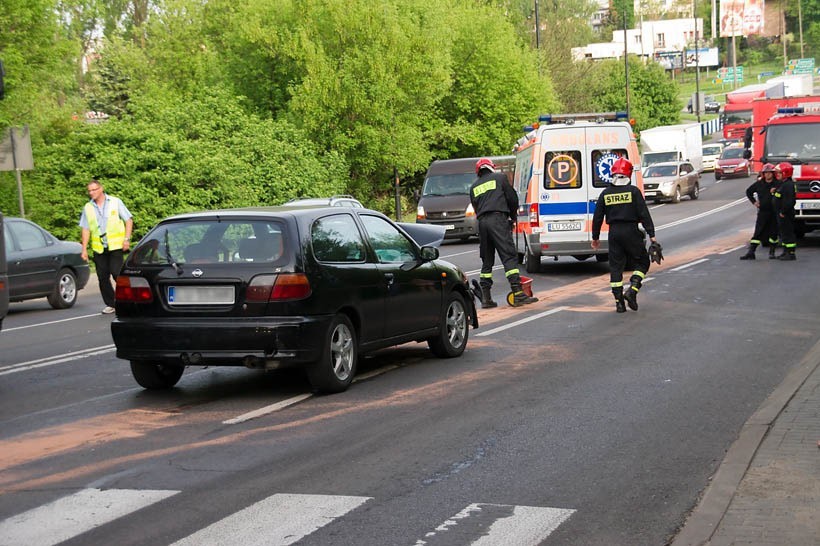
114,226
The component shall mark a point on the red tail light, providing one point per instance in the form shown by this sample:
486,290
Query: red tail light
534,214
133,290
282,287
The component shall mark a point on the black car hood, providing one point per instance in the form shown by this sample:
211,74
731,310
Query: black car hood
425,234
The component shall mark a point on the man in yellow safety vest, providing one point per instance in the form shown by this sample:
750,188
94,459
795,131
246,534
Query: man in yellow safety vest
107,224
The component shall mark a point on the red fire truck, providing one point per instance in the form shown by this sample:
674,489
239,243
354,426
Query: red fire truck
793,135
763,109
737,112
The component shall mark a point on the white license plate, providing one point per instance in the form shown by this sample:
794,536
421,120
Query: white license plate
201,295
449,227
728,170
564,226
810,205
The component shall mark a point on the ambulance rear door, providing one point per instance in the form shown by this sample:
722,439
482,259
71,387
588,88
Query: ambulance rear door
604,144
564,199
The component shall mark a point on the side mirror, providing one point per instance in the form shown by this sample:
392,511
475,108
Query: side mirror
429,253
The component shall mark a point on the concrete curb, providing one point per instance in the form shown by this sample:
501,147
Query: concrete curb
707,515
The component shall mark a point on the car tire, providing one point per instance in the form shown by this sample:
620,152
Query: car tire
717,176
153,376
64,293
335,369
454,328
676,195
695,193
602,258
532,263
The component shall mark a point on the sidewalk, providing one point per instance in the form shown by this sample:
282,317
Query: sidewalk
767,489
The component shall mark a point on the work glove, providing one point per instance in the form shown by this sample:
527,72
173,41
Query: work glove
475,290
656,252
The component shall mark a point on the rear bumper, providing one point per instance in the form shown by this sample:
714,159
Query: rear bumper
226,341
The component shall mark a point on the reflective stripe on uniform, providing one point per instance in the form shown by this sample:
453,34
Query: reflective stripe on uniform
484,188
618,284
641,274
617,198
511,272
485,275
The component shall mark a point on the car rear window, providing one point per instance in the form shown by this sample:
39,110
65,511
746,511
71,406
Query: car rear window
212,241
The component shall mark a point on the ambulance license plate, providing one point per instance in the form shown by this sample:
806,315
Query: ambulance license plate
810,205
564,226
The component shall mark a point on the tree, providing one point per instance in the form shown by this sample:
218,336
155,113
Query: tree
653,96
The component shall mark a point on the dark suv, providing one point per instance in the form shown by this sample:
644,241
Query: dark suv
277,286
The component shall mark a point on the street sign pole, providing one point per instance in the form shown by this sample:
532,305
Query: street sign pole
17,175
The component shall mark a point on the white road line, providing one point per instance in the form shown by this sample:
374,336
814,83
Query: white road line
690,264
50,322
522,321
477,271
702,214
52,360
732,250
267,409
71,516
278,520
461,253
526,526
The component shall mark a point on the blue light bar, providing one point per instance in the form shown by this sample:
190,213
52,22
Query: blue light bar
790,110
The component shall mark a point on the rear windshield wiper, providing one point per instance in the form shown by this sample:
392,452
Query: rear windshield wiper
170,258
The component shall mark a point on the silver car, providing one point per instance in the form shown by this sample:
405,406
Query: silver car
670,180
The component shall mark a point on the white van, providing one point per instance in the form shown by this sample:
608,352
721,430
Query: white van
562,165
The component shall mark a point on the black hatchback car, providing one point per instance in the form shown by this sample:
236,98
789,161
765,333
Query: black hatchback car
277,286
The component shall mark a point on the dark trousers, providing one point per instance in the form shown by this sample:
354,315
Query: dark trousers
765,228
495,236
626,245
785,226
108,264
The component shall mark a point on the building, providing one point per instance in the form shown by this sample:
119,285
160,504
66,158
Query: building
652,39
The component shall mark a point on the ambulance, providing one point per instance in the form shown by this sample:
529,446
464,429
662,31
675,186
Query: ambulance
562,165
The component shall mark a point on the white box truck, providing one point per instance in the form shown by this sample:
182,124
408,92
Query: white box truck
672,143
795,85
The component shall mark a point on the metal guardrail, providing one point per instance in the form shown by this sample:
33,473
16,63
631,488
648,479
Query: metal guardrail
711,126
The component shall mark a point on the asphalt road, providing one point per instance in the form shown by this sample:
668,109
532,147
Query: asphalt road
563,423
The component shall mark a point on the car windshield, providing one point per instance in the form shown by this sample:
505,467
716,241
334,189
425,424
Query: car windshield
793,141
732,153
658,157
448,184
661,170
737,116
210,241
712,150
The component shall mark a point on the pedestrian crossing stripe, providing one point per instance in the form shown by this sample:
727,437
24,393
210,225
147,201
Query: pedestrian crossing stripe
278,520
519,525
75,514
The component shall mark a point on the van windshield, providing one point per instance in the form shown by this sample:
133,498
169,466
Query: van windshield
448,184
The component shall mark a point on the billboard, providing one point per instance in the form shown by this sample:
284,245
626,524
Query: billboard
741,17
707,56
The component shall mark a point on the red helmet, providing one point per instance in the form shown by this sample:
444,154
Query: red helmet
484,163
768,168
786,168
622,166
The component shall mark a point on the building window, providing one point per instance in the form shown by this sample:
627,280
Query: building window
660,40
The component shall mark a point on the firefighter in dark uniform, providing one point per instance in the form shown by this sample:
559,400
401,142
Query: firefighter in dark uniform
496,204
624,207
783,202
766,223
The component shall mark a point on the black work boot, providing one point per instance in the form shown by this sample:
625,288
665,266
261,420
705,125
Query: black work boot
486,299
631,297
750,254
787,256
771,252
519,297
620,306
